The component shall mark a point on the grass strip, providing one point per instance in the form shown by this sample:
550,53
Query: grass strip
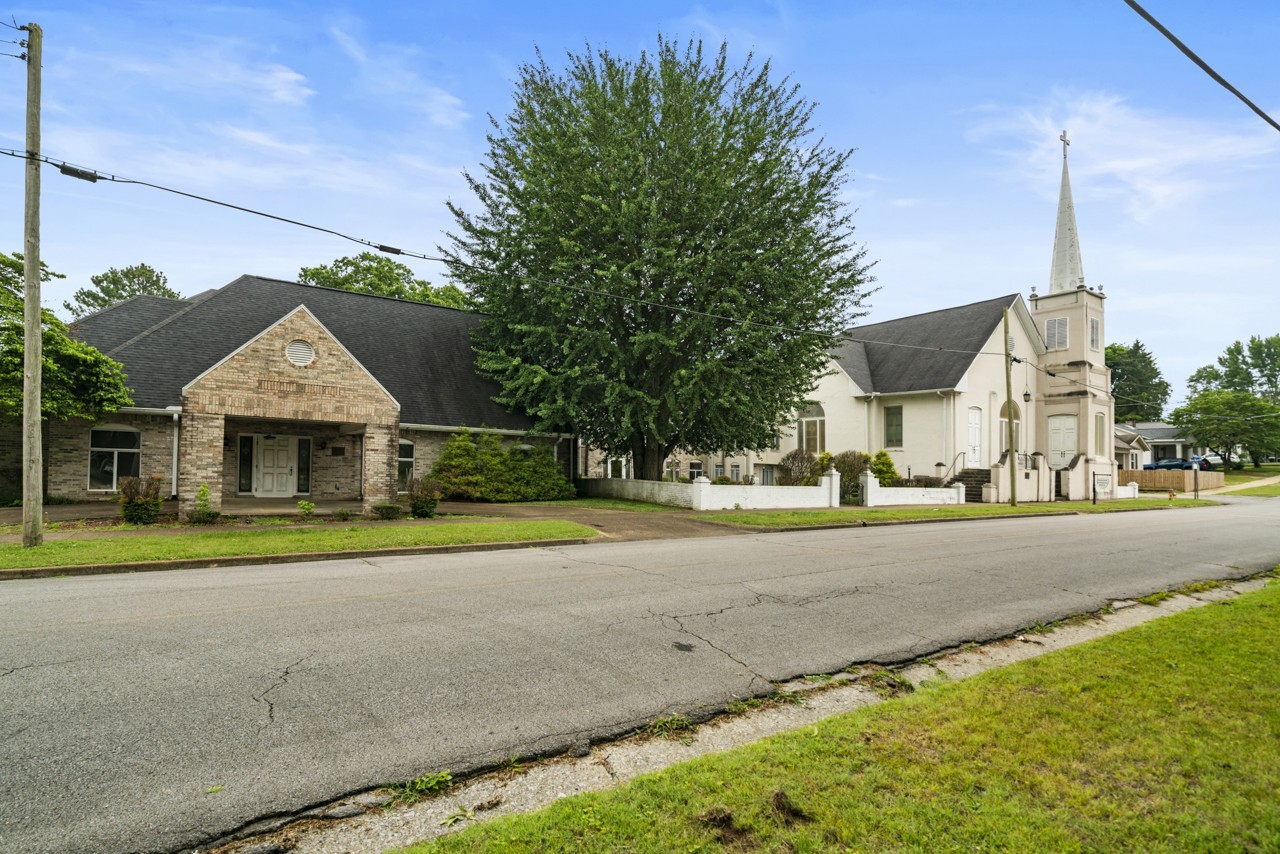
108,549
1159,738
1271,490
854,515
588,503
1249,473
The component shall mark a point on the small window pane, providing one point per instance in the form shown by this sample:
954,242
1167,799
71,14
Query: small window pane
404,474
304,465
125,439
244,482
102,470
127,464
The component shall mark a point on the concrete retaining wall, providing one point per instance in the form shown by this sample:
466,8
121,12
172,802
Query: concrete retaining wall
702,494
875,495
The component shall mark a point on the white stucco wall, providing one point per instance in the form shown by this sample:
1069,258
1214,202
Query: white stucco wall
704,495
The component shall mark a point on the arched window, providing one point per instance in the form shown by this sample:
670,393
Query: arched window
115,451
1010,405
811,430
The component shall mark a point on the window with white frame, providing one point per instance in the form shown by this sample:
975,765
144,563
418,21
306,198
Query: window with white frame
1099,434
893,426
673,470
735,472
695,469
1004,426
1095,333
766,476
404,465
114,452
1055,333
811,430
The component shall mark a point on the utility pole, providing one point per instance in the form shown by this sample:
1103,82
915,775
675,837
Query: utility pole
32,453
1008,410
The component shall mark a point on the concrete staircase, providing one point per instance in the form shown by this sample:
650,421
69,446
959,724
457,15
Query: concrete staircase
973,480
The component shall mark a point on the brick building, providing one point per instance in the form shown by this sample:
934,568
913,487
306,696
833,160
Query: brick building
271,389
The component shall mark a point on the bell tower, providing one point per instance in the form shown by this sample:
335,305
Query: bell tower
1076,414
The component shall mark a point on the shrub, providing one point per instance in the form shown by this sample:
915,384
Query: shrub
851,465
388,511
424,495
882,467
306,508
202,514
343,514
140,499
796,468
921,480
723,480
476,468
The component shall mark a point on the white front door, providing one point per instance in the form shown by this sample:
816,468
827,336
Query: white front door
974,459
277,456
1062,440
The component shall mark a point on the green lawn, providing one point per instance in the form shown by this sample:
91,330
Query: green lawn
610,504
220,543
1249,473
854,515
1162,738
1271,490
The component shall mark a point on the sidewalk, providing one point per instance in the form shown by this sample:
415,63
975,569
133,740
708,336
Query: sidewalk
1265,481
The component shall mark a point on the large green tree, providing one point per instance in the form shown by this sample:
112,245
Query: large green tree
116,286
1223,420
651,235
77,381
1137,385
369,273
1250,368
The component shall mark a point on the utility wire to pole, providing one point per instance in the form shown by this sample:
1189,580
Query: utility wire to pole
32,451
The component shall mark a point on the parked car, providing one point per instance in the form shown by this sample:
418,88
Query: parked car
1172,463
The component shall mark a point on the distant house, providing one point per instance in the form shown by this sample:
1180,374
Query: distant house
271,389
1164,440
1132,450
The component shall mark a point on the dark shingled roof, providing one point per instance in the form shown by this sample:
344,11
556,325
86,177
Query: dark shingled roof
116,324
420,353
876,361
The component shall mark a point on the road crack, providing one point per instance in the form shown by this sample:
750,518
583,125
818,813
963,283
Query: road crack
281,680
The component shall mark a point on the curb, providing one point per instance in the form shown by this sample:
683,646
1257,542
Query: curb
295,557
884,523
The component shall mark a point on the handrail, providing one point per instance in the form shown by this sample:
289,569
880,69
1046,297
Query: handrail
946,477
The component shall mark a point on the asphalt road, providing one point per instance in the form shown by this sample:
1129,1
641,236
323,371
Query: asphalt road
125,699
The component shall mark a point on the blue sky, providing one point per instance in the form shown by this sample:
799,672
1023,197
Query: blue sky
361,118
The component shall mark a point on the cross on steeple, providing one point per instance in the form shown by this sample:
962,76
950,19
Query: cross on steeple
1065,143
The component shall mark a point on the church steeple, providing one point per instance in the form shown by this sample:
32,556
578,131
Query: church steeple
1067,273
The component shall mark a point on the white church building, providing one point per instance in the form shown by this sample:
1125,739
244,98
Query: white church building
931,390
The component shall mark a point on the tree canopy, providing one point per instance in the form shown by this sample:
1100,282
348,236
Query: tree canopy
370,273
1223,419
77,381
1247,370
651,234
1139,389
116,286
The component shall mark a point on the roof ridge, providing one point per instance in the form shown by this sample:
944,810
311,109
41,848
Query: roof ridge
1008,297
103,311
355,293
179,313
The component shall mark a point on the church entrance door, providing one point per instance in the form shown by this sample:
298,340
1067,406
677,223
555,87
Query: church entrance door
1062,440
974,458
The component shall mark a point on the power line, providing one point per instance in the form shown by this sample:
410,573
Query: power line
94,175
1190,54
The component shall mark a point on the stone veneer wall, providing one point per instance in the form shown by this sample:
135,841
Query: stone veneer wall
67,454
11,460
332,477
260,382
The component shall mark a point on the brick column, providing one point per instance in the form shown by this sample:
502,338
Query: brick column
200,459
381,446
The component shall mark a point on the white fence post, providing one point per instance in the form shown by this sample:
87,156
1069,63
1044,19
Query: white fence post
832,481
959,491
701,493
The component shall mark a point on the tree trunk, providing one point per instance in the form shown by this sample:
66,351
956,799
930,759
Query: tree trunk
647,460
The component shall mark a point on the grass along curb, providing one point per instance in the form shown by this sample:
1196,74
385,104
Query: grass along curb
132,552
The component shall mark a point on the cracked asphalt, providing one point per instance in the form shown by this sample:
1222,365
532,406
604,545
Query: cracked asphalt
124,700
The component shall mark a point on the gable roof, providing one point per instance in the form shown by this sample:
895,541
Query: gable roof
922,352
116,324
420,353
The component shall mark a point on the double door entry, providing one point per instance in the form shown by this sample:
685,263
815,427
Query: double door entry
277,466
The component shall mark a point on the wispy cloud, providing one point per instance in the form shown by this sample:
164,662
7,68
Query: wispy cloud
347,44
1146,160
